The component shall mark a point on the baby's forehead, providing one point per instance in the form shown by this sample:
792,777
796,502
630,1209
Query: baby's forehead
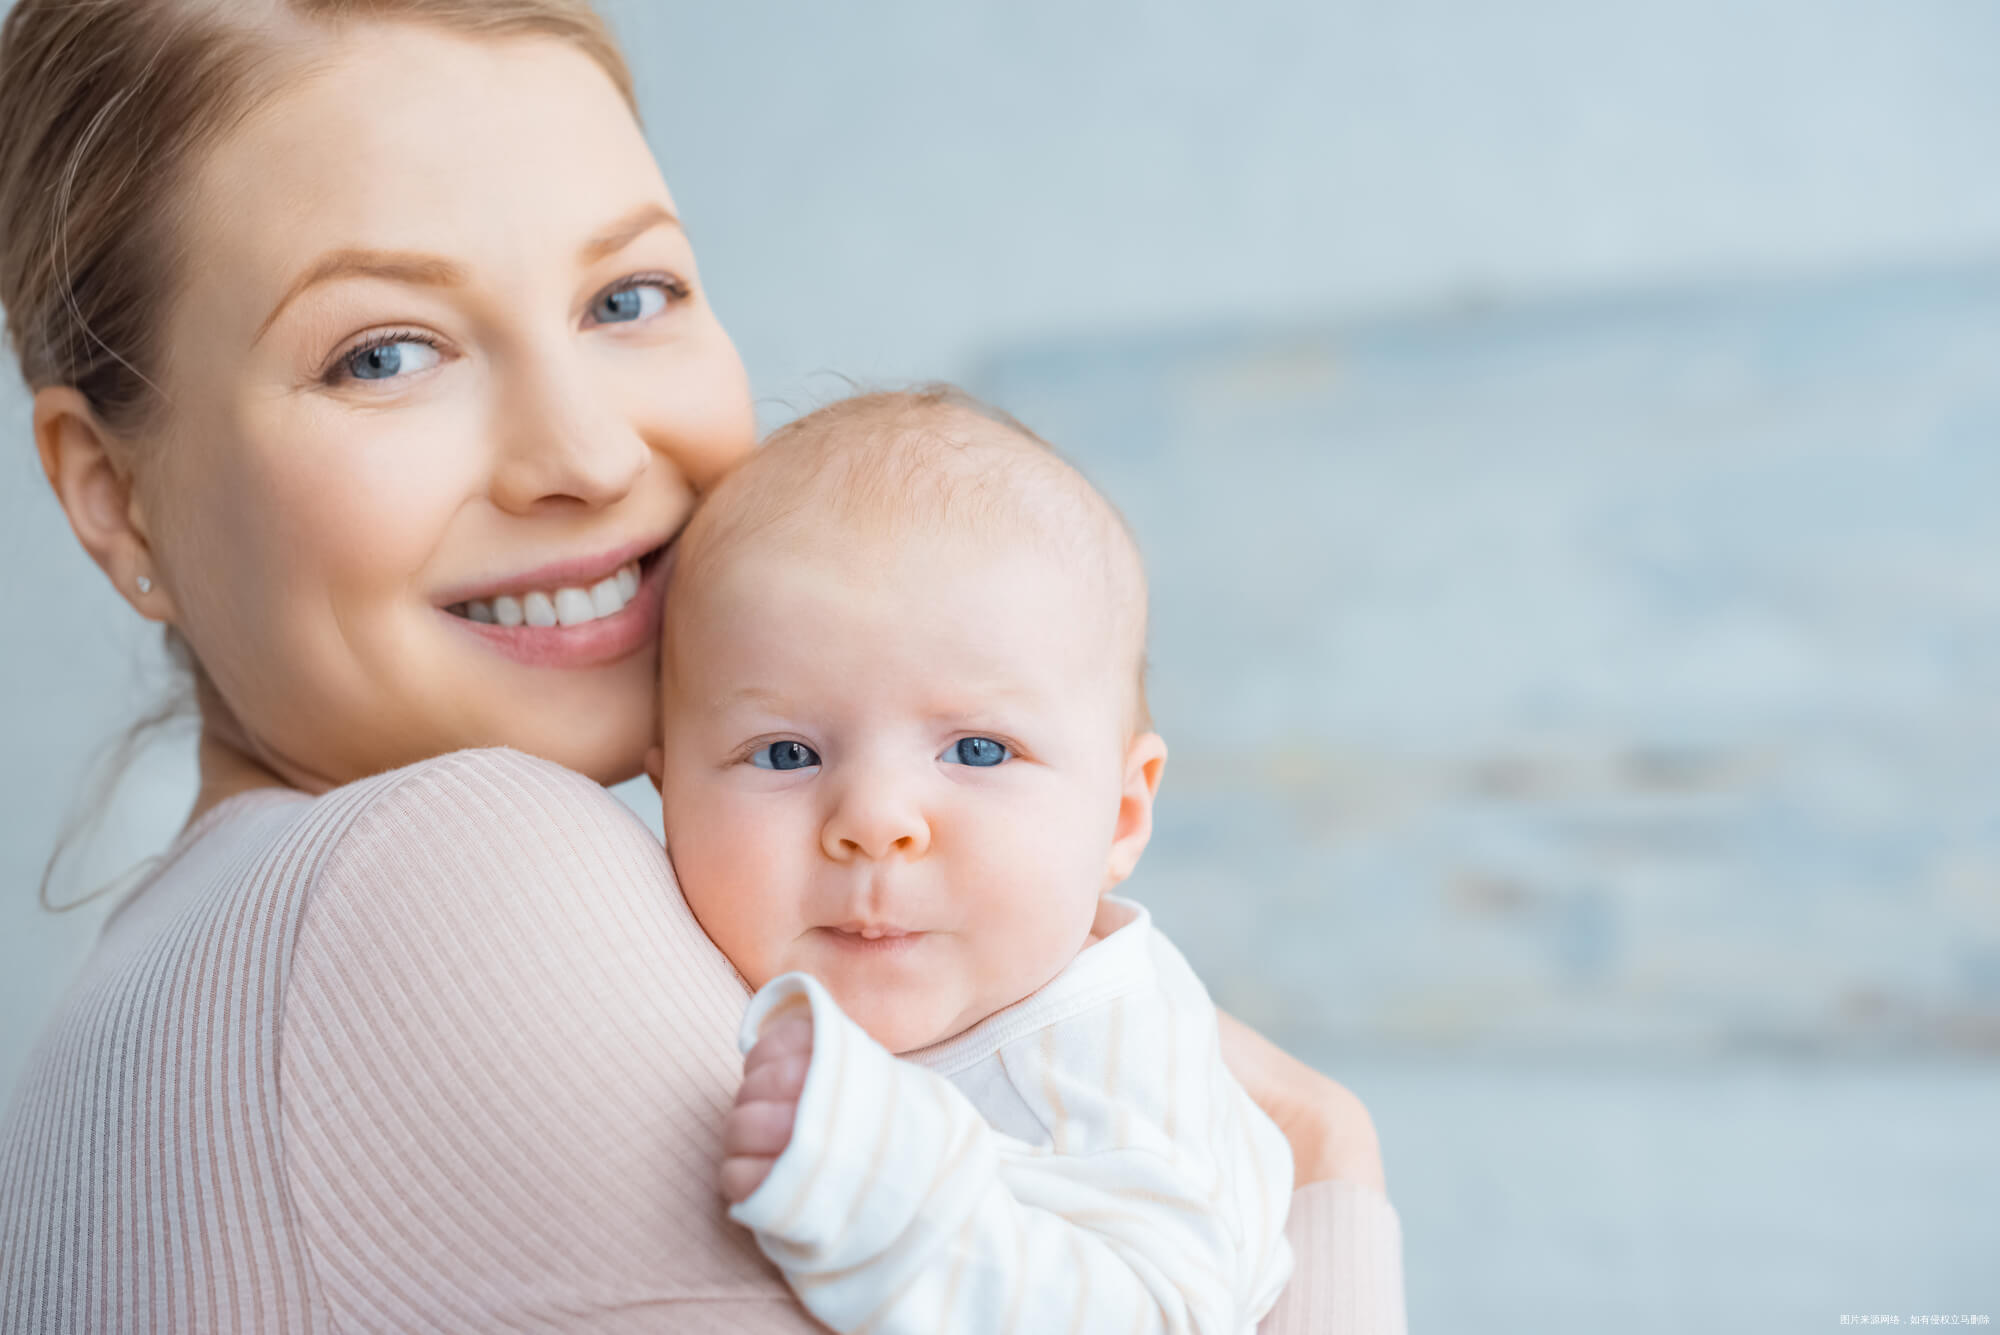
949,473
913,471
886,481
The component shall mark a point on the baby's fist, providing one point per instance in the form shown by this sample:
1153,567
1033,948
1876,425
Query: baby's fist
759,1126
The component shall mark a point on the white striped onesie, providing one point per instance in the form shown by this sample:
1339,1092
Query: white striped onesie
1080,1161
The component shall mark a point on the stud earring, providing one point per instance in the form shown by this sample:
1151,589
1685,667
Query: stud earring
145,584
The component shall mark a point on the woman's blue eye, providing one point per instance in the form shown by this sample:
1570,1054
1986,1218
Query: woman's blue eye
784,755
386,361
626,304
980,751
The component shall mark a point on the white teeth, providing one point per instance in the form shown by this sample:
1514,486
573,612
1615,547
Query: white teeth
566,607
573,607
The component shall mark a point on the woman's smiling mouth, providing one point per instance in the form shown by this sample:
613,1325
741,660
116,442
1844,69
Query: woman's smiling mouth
571,605
569,615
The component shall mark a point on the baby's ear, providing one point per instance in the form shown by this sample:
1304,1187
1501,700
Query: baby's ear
656,763
1145,758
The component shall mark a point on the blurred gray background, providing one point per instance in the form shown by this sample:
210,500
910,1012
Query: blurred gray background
1565,438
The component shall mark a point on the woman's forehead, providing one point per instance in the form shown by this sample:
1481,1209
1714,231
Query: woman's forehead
486,152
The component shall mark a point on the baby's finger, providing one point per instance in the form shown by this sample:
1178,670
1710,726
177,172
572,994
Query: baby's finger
783,1037
782,1079
758,1128
742,1175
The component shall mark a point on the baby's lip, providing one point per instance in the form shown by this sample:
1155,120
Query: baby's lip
873,931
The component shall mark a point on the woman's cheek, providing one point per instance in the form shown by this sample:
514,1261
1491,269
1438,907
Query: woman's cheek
699,410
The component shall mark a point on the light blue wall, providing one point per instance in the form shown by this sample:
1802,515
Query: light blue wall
888,188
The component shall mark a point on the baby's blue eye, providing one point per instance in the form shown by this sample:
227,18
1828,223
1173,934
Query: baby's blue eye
980,751
784,755
626,304
386,361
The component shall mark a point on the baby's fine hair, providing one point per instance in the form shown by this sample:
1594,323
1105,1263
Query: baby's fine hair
932,463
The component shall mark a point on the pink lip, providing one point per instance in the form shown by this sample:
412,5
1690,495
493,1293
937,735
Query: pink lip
891,940
576,572
594,643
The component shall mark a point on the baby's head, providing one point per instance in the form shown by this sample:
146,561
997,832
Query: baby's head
905,741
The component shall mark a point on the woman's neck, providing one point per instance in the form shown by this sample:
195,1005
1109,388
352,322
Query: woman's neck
225,759
225,772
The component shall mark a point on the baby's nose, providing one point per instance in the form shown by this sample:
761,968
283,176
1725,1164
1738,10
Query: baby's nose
874,822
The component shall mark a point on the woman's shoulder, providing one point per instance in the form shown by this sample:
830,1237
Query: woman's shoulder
448,805
490,871
456,845
471,827
284,849
506,1048
431,796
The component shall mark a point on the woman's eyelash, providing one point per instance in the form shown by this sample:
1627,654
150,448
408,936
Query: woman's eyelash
664,279
337,370
675,287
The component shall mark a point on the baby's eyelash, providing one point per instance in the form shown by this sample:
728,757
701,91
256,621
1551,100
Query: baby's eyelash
749,749
1013,747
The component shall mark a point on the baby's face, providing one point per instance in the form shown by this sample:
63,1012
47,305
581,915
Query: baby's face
906,770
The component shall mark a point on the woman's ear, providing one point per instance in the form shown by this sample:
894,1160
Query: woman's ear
83,463
1145,758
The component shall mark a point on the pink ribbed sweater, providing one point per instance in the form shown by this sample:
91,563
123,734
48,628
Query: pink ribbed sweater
437,1051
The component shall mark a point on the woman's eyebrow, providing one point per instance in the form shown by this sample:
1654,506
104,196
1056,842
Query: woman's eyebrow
397,266
436,271
625,231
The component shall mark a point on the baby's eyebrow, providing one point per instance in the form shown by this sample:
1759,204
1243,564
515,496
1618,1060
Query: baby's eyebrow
978,701
752,695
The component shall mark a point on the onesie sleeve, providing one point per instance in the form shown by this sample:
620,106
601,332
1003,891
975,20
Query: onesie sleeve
506,1053
889,1209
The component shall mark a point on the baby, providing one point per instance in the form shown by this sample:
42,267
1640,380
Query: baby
905,757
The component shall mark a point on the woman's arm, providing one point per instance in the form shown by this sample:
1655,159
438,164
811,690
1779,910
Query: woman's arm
1331,1133
1347,1242
507,1050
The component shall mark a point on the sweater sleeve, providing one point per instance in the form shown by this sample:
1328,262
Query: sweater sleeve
507,1049
1347,1275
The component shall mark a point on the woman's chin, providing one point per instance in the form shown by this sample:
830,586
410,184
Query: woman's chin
609,759
601,728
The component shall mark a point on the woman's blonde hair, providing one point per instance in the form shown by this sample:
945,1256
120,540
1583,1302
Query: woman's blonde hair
106,108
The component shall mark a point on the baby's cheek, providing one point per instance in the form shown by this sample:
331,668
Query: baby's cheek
730,888
741,926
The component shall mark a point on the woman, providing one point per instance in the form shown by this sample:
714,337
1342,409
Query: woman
341,314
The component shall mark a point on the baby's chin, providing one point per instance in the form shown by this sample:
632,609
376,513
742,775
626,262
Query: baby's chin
901,1023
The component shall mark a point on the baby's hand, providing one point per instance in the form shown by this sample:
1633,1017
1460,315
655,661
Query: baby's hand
760,1125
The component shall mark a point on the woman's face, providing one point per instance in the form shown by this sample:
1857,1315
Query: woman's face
440,355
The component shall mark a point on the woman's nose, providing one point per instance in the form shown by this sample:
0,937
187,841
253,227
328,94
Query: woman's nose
874,818
560,442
